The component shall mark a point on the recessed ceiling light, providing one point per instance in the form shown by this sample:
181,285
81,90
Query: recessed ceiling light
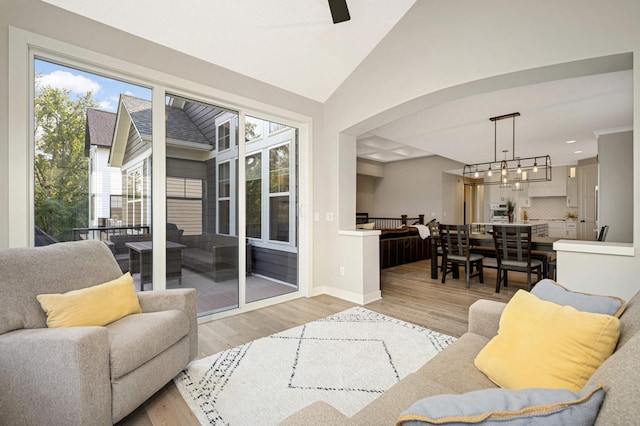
571,141
577,152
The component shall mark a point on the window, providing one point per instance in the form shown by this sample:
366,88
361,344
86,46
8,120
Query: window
74,180
134,198
184,204
279,193
224,197
254,195
224,136
115,206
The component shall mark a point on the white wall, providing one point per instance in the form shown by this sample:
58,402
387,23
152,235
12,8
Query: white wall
441,51
615,185
411,187
366,194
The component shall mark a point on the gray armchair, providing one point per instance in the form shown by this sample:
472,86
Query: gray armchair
84,375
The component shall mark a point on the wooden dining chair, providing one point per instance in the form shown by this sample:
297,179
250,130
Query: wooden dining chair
434,231
456,251
513,251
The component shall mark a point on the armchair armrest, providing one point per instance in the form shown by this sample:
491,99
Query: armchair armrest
183,299
484,317
55,374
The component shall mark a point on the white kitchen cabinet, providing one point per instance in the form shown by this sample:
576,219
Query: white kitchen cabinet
572,192
572,230
557,229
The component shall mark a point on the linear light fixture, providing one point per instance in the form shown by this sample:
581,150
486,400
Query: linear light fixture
514,173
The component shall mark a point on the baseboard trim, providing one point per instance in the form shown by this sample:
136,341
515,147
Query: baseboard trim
360,299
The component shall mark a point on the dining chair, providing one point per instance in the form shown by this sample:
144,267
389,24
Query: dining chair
456,251
603,233
513,251
434,231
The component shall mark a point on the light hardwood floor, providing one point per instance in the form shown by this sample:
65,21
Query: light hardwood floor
408,293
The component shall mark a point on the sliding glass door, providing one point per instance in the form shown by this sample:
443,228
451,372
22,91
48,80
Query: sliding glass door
202,193
228,181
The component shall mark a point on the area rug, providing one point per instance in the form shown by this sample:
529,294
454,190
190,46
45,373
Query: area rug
347,360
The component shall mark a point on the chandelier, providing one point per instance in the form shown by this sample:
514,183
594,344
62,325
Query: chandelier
514,173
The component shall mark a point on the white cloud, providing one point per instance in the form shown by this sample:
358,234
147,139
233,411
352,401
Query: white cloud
107,106
66,80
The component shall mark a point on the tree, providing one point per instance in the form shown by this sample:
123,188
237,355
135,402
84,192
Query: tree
61,170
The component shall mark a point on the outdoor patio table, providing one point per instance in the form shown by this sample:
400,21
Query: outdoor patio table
140,260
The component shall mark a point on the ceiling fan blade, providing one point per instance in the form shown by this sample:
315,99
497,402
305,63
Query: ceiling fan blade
339,11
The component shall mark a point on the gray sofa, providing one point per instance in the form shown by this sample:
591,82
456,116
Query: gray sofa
453,372
215,255
84,375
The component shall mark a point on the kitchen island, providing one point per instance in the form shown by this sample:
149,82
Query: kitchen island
538,228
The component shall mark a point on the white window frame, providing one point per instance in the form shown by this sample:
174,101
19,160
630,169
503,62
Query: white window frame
24,46
229,137
230,197
264,146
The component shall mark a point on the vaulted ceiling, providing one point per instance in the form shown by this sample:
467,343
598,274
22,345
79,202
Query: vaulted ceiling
294,45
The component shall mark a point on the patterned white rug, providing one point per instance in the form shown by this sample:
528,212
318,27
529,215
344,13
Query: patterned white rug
347,359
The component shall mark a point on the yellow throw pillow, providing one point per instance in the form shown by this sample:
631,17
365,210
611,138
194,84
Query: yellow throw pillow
544,345
98,305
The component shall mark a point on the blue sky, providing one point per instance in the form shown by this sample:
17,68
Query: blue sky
106,91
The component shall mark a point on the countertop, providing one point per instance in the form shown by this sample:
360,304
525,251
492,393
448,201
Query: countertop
551,220
530,222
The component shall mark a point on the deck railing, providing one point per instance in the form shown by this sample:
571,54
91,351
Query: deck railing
103,233
394,222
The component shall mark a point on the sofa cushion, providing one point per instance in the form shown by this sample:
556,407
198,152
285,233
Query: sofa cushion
500,406
136,339
551,291
560,346
92,306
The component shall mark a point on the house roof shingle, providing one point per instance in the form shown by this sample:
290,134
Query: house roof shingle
99,128
178,124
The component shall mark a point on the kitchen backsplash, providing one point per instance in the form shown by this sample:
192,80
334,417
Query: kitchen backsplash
547,208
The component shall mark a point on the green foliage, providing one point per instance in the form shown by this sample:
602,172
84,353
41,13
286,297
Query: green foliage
60,168
511,205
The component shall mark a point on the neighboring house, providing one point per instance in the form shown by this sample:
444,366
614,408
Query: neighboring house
201,173
190,138
105,182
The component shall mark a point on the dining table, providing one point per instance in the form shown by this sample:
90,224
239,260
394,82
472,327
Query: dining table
541,248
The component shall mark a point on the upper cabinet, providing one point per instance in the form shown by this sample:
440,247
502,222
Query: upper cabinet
572,187
557,187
